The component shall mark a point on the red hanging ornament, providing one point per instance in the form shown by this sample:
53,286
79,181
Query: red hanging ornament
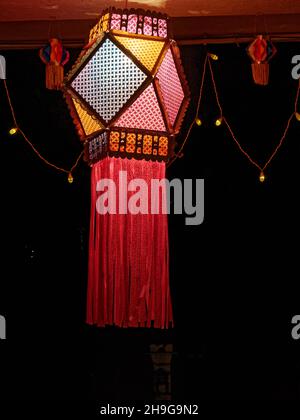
261,50
55,56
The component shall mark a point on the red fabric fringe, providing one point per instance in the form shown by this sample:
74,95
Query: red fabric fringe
128,279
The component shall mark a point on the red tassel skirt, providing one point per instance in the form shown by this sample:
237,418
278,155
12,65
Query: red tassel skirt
128,277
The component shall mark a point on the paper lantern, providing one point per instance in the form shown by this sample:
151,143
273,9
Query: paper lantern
55,56
261,50
128,95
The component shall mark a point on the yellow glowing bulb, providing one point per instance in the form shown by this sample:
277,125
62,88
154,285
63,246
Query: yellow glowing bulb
70,178
198,121
262,177
297,114
218,122
13,131
214,57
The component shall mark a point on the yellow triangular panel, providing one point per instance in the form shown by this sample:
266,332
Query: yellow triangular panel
89,124
146,51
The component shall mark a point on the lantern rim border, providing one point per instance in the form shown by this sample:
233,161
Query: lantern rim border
125,154
139,11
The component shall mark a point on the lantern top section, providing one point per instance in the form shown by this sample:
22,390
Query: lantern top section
133,21
127,91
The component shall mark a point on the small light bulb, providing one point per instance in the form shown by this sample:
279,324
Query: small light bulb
297,115
262,177
198,121
218,122
13,131
70,178
214,57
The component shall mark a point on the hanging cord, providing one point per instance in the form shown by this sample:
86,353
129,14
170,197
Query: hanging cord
179,153
58,168
262,168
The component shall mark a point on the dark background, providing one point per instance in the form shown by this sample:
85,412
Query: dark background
234,278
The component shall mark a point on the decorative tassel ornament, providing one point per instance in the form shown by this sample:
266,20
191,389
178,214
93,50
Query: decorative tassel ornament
55,56
261,50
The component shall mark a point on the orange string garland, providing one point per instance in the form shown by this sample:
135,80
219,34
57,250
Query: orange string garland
18,129
222,118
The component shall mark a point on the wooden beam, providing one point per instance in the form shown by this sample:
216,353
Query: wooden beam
187,30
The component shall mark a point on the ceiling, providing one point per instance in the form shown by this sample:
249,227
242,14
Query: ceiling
30,23
38,10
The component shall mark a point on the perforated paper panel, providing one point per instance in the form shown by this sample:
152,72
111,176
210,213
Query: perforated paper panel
131,24
171,88
89,124
140,24
97,147
148,25
102,26
162,28
108,80
138,144
146,51
115,21
134,23
144,113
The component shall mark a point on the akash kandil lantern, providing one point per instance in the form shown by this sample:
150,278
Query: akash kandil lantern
128,96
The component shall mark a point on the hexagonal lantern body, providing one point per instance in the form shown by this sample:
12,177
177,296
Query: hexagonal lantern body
127,91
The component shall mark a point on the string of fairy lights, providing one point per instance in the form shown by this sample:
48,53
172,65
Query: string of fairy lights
220,120
17,129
